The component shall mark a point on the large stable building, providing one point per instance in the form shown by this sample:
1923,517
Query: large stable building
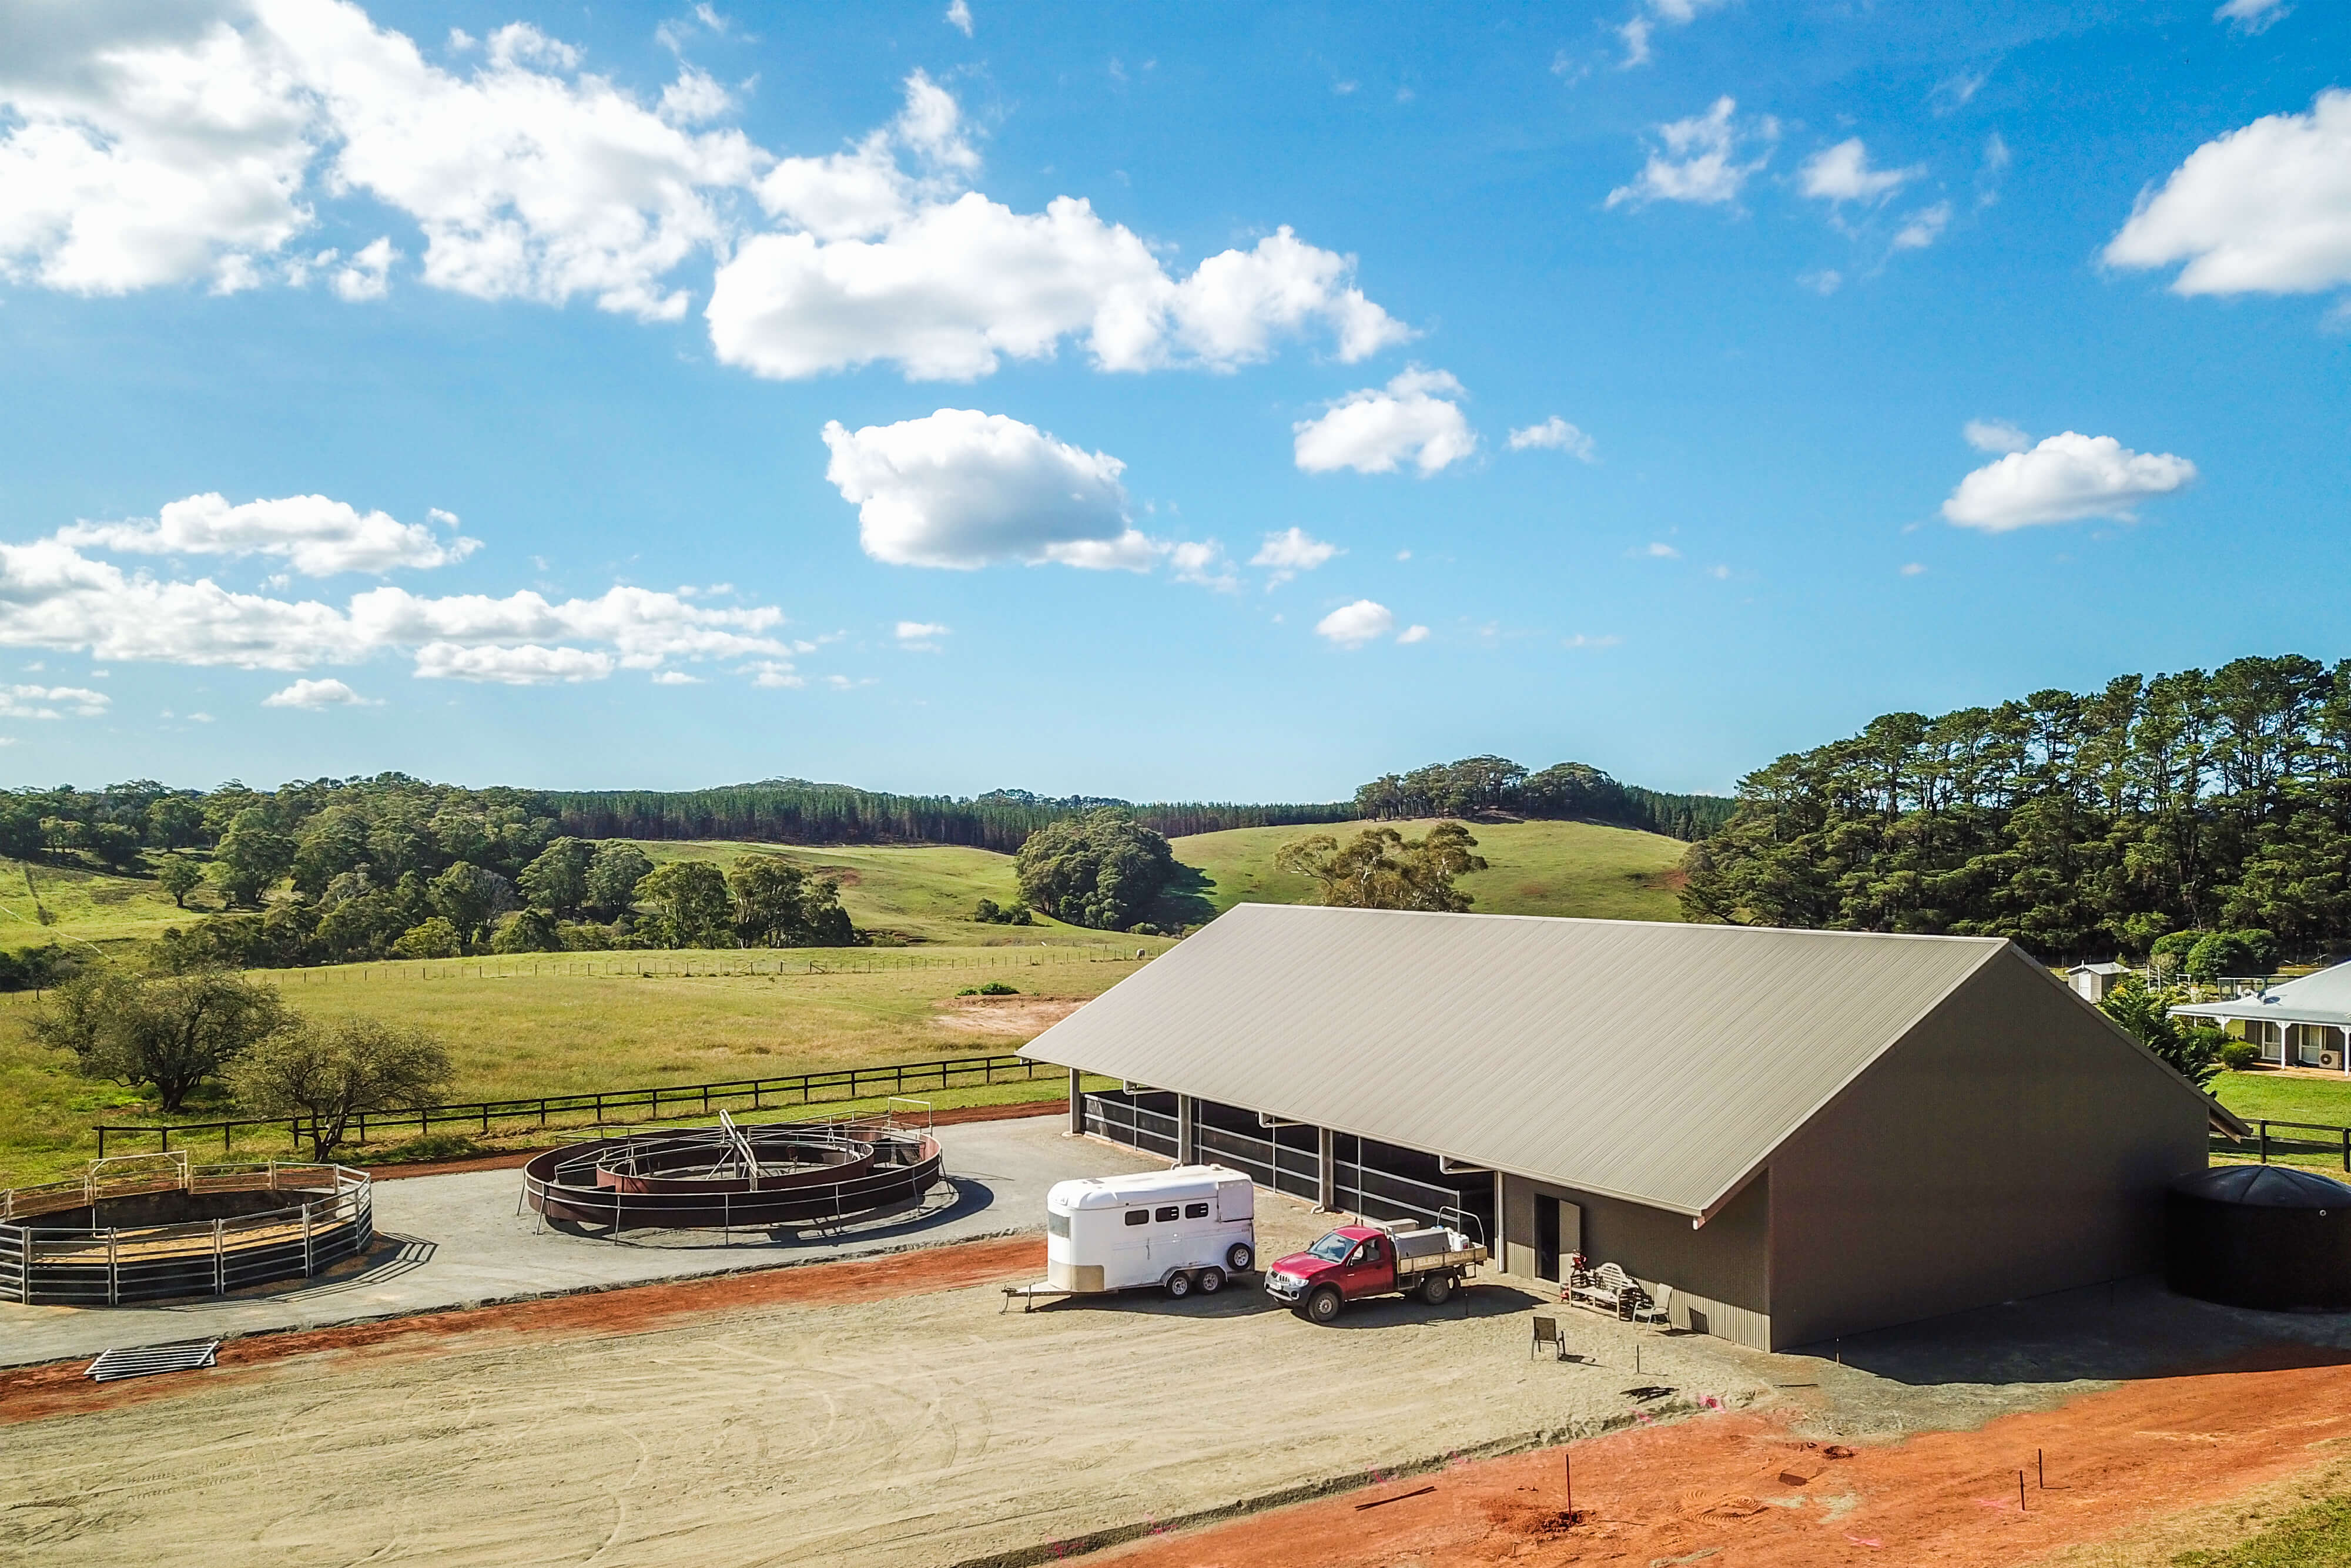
1802,1133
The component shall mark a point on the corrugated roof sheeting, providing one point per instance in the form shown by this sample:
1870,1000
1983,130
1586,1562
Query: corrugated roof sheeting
1652,1061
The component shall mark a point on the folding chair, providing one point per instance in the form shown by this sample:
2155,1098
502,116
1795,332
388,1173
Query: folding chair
1657,1309
1547,1334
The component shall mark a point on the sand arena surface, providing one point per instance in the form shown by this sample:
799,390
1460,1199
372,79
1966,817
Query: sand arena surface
889,1429
885,1411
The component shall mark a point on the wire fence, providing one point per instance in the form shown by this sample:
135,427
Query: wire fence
598,1106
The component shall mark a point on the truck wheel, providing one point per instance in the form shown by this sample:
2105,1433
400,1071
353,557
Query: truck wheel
1237,1257
1436,1289
1322,1304
1179,1285
1212,1279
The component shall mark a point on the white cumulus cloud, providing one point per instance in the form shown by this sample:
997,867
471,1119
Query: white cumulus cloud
42,702
1841,173
2249,16
946,289
1411,634
1637,30
921,636
156,145
524,665
876,262
2065,477
317,536
961,488
959,17
1995,435
54,595
1923,227
1202,561
317,694
1374,430
1353,625
1699,159
368,275
2265,209
1554,434
149,144
1290,552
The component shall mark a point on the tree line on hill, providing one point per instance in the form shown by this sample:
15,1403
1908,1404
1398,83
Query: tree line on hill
2080,824
1479,786
795,811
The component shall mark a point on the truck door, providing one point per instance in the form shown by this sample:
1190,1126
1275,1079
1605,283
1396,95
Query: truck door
1370,1271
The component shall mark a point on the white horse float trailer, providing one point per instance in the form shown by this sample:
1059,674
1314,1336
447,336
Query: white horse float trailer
1192,1228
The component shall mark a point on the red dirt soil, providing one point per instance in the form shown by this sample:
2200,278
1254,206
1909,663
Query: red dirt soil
1743,1492
514,1159
29,1394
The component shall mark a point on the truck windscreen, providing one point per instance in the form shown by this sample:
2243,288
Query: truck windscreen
1333,1248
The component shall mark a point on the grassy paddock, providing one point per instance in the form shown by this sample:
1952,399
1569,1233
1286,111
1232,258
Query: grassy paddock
523,1028
87,909
1536,868
2251,1095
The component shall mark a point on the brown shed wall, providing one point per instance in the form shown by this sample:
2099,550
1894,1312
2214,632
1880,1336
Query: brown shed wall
1719,1272
2012,1144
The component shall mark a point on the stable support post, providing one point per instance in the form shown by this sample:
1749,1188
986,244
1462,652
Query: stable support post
309,1256
1078,1107
1187,1131
1326,1168
220,1263
113,1268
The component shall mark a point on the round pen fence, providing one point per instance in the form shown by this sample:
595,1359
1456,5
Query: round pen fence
152,1226
728,1176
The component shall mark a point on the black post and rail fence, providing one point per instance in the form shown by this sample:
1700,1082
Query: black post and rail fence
595,1108
2266,1144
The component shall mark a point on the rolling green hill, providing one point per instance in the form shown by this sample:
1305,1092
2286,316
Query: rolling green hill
87,909
1536,868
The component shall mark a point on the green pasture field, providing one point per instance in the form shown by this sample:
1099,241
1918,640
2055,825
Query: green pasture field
559,1024
2282,1098
89,909
1537,868
907,892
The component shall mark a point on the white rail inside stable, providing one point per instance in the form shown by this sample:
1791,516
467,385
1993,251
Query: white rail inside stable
1360,1189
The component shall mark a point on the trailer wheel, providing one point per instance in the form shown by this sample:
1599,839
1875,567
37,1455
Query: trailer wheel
1179,1285
1322,1304
1212,1279
1237,1257
1436,1289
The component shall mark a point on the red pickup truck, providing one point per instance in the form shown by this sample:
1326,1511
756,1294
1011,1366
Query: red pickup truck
1356,1260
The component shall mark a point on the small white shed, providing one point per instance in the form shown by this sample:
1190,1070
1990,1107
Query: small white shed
2092,982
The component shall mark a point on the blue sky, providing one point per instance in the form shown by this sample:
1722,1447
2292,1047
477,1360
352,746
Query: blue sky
1215,403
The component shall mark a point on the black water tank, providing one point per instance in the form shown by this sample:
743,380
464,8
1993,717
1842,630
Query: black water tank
2261,1235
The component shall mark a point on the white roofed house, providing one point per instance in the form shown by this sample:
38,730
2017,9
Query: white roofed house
2301,1023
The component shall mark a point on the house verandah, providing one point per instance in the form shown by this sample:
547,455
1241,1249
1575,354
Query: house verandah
2301,1023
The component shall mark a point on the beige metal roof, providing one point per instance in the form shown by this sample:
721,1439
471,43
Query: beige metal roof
1658,1062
